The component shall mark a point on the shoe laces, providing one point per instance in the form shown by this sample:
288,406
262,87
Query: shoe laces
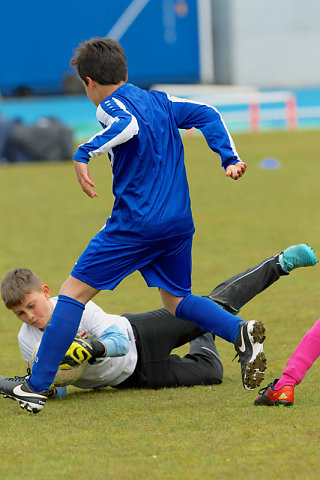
264,389
20,378
271,384
236,355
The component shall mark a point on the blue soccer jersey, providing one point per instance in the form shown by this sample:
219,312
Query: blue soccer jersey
141,136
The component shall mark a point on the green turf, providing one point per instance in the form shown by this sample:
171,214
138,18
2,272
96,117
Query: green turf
182,434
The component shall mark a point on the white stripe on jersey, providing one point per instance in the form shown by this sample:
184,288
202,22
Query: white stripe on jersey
186,100
104,117
126,134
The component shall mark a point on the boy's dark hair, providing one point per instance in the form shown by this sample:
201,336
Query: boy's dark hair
18,283
101,59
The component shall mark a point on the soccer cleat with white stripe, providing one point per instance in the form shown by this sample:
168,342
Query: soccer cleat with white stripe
18,389
249,348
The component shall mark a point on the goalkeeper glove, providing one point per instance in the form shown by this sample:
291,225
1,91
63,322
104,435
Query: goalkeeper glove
81,351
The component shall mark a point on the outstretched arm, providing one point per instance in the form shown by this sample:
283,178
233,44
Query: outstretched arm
188,114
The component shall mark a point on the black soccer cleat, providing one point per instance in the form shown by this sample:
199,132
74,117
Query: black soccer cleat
18,389
249,348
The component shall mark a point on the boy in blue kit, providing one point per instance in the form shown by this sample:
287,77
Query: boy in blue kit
151,226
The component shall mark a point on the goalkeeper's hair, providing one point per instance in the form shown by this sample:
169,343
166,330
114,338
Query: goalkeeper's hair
18,283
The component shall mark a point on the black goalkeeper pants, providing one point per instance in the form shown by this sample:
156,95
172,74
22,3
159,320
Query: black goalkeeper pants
158,333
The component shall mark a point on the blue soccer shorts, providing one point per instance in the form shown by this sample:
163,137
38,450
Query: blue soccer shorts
164,264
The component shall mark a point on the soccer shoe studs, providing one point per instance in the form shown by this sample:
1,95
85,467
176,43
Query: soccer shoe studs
249,348
18,389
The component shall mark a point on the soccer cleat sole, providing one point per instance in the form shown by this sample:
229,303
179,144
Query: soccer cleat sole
258,332
256,368
263,401
254,374
30,407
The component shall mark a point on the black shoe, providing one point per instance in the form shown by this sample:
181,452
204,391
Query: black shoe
18,389
249,347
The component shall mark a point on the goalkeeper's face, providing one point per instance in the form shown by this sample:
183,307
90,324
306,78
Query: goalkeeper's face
36,308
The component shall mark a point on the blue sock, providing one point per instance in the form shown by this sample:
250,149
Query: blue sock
209,316
56,340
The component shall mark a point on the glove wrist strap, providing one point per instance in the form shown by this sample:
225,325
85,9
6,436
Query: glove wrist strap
99,349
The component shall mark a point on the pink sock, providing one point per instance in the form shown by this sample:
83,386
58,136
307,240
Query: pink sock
302,358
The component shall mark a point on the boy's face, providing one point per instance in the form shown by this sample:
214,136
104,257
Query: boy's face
36,308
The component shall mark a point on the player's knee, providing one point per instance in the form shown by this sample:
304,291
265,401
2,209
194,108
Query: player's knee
78,290
216,372
219,373
170,301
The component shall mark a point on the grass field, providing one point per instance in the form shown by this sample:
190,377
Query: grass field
188,433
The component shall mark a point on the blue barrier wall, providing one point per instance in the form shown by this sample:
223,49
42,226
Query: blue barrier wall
160,38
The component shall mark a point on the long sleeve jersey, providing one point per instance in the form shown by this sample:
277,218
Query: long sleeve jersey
95,324
141,136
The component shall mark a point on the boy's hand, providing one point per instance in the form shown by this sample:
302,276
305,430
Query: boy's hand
79,351
84,178
236,171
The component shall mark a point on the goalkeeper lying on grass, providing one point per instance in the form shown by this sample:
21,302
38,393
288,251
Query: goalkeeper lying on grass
134,350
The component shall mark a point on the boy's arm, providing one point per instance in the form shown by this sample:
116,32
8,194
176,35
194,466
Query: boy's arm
119,126
113,331
188,114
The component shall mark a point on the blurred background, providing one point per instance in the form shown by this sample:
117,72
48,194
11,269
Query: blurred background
257,62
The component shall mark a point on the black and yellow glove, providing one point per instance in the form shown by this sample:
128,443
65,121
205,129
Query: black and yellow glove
79,351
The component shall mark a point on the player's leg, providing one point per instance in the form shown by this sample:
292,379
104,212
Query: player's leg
281,391
161,332
171,272
60,332
201,366
235,292
247,336
156,333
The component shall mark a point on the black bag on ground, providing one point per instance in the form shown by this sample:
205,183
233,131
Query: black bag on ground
47,140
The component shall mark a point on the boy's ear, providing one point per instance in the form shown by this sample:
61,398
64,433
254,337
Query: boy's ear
89,82
46,290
